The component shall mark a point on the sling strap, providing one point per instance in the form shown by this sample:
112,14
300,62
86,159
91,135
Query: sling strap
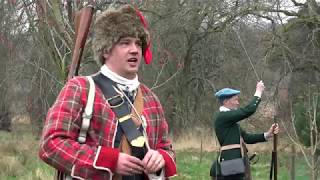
87,114
120,107
230,146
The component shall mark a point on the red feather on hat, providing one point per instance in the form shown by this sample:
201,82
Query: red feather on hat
147,53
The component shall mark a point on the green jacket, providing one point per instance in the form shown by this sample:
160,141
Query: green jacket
228,131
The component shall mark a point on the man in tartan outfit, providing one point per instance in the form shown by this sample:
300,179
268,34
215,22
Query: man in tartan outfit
120,40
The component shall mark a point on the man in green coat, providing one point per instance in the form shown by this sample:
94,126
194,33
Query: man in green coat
230,134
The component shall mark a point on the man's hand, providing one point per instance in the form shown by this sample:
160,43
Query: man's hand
274,129
153,161
259,88
128,165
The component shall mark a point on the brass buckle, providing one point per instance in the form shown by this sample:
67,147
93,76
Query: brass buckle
114,97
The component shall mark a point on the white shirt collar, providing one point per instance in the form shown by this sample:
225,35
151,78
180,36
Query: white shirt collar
123,83
223,109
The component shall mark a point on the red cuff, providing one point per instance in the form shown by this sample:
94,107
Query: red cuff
170,165
107,158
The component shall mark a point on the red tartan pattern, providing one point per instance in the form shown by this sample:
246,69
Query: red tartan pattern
60,149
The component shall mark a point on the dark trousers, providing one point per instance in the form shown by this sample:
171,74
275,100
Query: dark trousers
233,177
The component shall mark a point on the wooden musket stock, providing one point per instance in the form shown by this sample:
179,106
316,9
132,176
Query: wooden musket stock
82,24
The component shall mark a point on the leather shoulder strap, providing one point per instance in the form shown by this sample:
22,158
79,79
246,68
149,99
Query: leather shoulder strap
136,112
120,107
87,114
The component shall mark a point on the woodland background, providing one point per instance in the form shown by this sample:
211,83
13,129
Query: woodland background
199,47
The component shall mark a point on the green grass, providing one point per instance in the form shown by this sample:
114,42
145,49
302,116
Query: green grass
192,166
19,158
19,161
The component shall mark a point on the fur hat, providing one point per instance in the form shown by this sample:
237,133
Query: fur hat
111,25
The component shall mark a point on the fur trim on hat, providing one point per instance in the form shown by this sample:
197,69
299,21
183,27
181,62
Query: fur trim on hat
111,25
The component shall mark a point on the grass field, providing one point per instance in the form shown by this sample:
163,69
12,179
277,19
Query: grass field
19,161
192,166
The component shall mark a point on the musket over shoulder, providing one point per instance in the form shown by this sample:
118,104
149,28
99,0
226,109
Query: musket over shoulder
83,20
82,24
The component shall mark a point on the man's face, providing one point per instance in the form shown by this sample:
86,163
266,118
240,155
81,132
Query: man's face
125,57
232,103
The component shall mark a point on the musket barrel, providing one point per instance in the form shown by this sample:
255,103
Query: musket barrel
275,147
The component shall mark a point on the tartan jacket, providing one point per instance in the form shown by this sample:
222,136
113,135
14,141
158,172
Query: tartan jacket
97,158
